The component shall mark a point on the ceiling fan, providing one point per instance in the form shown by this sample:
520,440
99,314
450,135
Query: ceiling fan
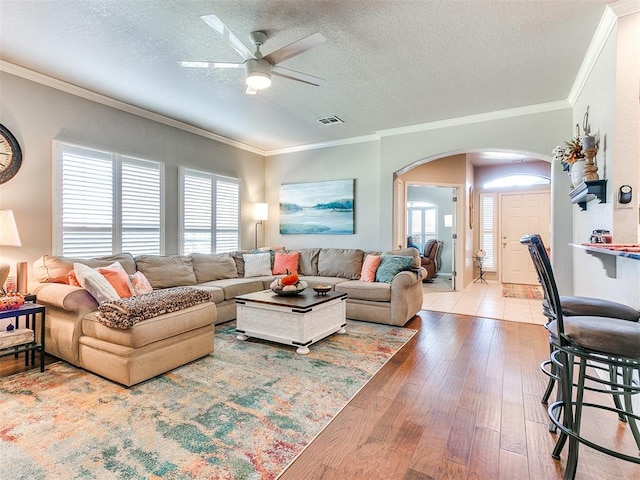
259,68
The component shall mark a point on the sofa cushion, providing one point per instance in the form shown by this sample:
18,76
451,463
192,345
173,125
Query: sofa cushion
208,267
140,284
55,269
308,261
152,330
359,290
167,271
216,293
340,262
239,259
241,286
286,263
370,267
391,265
257,264
118,278
408,252
314,280
94,283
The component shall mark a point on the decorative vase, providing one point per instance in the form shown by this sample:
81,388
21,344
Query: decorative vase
577,172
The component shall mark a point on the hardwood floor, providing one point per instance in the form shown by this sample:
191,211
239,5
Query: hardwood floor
460,401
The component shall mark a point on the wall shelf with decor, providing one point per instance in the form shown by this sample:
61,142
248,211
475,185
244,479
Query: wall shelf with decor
588,190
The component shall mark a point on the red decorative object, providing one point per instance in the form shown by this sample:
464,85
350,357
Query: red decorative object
9,302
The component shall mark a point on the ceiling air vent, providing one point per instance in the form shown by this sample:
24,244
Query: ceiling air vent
330,120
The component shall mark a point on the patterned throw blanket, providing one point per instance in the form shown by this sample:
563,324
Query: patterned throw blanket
126,312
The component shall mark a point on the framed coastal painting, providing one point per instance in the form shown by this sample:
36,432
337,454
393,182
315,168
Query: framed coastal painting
318,208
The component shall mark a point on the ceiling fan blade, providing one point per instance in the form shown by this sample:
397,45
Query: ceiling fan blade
231,38
296,48
250,90
190,64
297,76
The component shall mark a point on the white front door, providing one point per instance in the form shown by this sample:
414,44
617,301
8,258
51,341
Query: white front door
522,214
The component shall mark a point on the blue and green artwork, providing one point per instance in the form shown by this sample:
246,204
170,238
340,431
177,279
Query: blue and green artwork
320,208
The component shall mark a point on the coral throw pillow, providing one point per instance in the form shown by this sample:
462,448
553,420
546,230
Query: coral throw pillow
286,261
140,284
72,279
118,278
369,268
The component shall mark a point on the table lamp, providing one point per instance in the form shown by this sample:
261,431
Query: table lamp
9,237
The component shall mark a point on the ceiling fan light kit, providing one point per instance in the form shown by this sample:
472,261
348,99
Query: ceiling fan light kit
258,73
259,68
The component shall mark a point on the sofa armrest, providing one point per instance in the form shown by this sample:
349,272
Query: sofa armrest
408,278
66,297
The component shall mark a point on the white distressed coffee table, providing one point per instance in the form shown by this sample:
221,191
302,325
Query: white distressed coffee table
299,321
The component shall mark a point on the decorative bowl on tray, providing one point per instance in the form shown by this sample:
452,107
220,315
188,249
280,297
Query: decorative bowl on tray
288,293
322,289
288,286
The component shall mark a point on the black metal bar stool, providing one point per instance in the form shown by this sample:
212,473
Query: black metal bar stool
590,342
583,306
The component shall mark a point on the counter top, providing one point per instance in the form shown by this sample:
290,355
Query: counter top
627,250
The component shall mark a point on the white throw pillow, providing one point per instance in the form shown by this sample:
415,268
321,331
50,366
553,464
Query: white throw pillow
257,264
95,283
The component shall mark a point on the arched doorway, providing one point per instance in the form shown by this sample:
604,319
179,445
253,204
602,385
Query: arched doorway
466,172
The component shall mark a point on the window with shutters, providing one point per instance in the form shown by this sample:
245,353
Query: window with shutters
488,230
106,203
209,212
421,222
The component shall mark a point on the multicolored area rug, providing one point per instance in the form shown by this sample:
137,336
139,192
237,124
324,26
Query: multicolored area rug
244,412
515,290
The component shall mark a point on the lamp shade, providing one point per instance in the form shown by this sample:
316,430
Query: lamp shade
261,211
9,236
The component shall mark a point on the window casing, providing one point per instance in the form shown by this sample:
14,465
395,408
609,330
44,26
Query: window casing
422,224
106,203
488,232
209,212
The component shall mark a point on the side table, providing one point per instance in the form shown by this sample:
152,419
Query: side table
30,313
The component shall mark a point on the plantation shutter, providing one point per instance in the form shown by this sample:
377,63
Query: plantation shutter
197,212
141,207
227,214
106,203
210,212
488,233
87,202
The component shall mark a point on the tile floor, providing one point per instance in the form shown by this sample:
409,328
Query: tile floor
485,300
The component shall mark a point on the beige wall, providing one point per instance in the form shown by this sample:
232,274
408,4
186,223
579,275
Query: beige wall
37,114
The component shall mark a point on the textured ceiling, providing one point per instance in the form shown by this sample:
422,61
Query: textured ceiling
388,63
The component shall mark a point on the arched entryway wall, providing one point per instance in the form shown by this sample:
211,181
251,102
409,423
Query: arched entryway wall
466,172
534,130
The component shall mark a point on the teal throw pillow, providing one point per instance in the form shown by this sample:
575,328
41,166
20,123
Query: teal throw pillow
391,265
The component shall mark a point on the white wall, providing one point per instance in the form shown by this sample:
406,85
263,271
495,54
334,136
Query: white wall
37,114
612,95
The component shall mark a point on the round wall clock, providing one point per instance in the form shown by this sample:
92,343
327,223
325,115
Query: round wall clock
10,155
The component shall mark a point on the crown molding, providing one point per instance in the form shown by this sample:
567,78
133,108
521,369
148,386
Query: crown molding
605,27
315,146
477,118
624,7
117,104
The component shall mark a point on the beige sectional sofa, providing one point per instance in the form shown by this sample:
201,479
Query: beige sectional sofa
154,346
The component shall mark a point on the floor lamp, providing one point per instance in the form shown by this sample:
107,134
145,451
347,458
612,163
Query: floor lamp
9,237
260,213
